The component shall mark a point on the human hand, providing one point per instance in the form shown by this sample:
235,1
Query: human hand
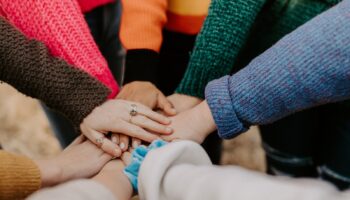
182,102
194,124
116,116
147,94
113,178
81,159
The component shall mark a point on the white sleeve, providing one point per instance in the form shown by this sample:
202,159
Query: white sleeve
182,171
83,189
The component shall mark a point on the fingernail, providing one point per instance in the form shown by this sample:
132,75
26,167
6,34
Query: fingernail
135,144
114,139
122,145
169,130
117,152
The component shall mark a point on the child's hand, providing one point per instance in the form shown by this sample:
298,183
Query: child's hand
194,124
147,94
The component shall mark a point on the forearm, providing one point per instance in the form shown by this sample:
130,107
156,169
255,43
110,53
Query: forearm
28,66
307,68
19,176
223,34
61,26
141,28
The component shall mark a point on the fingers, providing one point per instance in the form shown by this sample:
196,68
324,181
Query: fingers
100,140
115,138
77,140
136,131
124,142
165,105
153,126
126,158
143,110
135,142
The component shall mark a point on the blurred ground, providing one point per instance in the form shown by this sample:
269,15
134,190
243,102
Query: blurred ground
24,129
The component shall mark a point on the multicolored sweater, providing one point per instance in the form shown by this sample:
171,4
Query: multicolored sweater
237,31
309,67
142,26
60,25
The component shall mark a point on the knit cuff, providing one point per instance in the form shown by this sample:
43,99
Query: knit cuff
20,176
137,157
195,86
141,65
221,106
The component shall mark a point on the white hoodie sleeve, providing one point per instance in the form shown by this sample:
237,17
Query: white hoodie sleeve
183,171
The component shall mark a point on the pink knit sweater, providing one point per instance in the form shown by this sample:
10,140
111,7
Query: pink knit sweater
61,26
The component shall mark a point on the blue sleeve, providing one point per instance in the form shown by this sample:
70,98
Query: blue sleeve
309,67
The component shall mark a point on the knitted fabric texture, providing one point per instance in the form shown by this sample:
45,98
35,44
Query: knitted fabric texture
307,68
60,25
137,157
28,66
226,33
19,176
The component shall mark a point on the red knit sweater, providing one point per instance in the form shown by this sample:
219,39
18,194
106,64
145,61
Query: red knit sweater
61,26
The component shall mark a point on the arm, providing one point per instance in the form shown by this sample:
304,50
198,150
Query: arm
141,35
223,34
19,176
28,66
60,25
306,68
165,170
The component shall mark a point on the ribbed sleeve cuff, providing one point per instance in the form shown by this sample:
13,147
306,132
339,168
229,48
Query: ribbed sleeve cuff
221,106
223,34
19,176
141,65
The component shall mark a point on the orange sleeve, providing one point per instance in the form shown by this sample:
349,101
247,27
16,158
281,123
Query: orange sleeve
142,23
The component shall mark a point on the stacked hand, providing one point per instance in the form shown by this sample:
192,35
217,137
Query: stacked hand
131,115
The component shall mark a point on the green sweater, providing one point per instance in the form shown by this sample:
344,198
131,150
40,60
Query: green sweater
236,31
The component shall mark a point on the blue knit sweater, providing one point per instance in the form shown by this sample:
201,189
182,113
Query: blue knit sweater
309,67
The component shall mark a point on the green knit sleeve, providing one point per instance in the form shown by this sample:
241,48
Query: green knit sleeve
223,34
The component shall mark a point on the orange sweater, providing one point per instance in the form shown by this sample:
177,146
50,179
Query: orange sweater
19,176
143,20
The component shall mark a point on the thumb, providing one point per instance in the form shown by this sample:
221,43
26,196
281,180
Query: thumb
165,105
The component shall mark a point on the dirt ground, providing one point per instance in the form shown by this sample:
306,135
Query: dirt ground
24,129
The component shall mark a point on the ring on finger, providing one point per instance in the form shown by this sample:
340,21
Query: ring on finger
133,111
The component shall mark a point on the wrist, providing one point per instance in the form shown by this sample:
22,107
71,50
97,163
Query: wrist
117,183
205,119
50,173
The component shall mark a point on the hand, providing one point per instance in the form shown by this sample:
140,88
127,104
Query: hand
113,178
115,116
81,159
194,124
147,94
183,102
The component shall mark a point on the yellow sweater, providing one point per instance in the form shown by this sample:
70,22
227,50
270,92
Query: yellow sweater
19,176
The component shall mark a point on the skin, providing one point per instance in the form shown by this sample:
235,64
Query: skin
113,178
149,95
82,159
194,124
114,116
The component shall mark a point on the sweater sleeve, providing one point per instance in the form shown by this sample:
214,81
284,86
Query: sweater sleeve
141,28
77,190
223,34
182,170
19,176
308,67
28,66
60,25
